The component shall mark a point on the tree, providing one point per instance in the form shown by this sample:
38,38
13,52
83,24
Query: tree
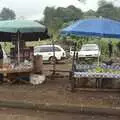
118,46
54,18
107,10
90,14
7,14
83,1
102,3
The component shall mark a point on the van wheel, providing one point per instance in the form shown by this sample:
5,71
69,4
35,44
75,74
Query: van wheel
52,60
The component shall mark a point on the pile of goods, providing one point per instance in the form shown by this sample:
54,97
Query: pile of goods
107,69
25,66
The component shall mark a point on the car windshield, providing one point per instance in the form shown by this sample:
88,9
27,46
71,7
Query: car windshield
89,48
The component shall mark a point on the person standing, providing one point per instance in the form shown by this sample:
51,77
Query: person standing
1,63
1,57
110,47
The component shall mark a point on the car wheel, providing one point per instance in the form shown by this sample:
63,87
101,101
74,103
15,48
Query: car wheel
52,60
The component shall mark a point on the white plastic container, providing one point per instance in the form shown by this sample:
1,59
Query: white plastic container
37,79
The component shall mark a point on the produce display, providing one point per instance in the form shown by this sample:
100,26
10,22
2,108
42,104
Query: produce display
107,69
99,69
22,67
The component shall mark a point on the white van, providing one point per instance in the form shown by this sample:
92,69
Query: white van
88,50
47,52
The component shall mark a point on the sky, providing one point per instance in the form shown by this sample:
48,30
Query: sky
33,9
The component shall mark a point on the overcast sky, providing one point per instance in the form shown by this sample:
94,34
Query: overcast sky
33,9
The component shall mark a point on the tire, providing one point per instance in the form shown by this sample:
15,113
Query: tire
52,60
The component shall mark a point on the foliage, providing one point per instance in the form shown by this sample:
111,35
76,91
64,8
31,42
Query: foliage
102,3
104,70
118,46
58,18
83,1
90,14
108,10
7,14
55,18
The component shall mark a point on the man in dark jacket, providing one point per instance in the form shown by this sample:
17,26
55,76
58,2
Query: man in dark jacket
110,47
1,63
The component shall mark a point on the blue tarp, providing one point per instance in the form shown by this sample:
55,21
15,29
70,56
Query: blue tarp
100,27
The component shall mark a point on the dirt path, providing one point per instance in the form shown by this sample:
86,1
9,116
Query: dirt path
18,114
55,92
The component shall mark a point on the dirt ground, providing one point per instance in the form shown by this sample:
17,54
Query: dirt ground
56,92
18,114
64,65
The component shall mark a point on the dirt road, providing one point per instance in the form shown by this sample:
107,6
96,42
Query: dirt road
18,114
55,92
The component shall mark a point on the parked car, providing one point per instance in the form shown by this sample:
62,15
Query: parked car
47,52
88,50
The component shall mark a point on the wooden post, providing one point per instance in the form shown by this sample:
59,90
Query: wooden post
38,64
18,47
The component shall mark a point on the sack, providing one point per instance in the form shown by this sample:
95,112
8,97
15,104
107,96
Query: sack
36,79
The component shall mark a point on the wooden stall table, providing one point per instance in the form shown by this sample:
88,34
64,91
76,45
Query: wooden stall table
23,71
97,76
11,74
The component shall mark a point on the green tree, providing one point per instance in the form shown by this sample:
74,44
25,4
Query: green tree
55,18
107,10
118,46
90,14
7,14
102,3
83,1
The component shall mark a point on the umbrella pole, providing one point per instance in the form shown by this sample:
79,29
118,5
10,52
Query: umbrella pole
74,57
18,46
100,51
54,64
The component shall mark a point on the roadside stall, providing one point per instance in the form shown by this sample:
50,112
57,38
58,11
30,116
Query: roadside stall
22,60
98,27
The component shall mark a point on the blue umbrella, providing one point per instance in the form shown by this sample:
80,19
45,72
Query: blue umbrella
100,27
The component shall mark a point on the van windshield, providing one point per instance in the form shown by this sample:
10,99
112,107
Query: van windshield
89,48
46,49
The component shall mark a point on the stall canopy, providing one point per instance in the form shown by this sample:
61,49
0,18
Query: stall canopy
29,30
17,30
100,27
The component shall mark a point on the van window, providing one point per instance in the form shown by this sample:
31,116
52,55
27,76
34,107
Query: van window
44,49
37,49
48,49
57,49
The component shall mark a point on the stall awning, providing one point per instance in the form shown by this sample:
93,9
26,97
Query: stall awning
30,30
